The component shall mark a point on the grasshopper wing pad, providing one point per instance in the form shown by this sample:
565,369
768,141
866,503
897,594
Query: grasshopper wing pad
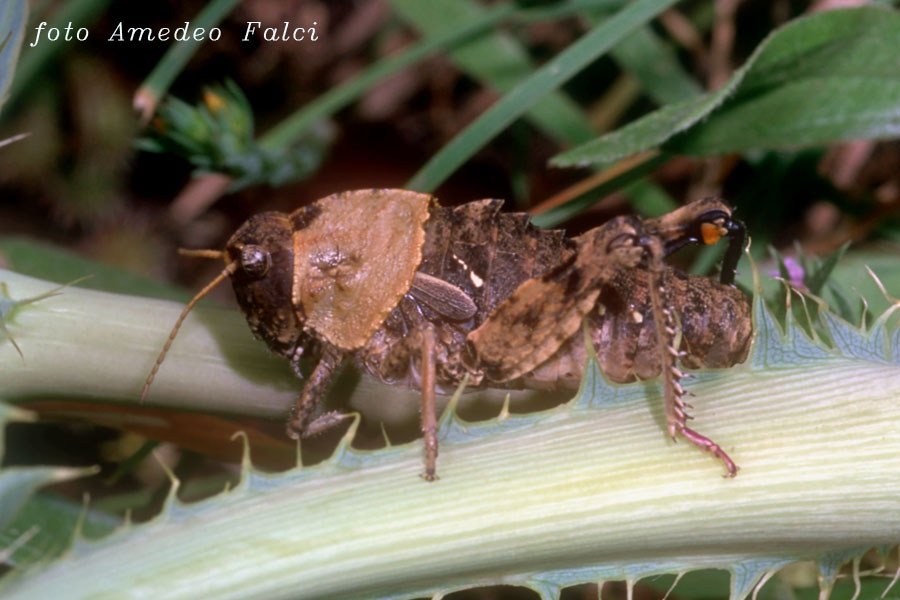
529,327
355,256
534,322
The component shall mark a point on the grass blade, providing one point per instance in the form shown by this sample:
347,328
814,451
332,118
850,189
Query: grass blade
80,13
12,31
497,61
546,79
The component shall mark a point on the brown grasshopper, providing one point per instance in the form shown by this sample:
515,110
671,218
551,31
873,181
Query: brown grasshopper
422,295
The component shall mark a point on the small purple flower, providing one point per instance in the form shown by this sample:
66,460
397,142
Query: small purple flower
795,273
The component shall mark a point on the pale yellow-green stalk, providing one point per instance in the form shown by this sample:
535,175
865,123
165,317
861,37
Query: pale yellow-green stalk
589,491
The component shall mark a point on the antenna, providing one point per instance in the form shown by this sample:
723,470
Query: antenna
201,253
226,272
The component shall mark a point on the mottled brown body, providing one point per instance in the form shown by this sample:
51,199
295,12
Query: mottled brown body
715,321
482,252
476,244
422,295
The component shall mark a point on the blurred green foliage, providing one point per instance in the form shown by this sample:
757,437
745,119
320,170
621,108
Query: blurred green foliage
217,136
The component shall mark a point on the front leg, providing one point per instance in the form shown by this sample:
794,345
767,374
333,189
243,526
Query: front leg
300,422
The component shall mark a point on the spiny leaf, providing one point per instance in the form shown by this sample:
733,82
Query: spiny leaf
48,522
852,342
581,485
773,348
746,575
18,483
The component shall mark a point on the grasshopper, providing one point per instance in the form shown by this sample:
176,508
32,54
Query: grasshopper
427,296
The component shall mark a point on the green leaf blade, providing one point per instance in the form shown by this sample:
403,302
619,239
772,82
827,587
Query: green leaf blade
647,132
803,113
827,77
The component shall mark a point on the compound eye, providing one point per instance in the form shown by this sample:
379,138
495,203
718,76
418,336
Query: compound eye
255,261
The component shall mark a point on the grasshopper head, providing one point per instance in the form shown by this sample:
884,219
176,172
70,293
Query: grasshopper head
261,254
704,221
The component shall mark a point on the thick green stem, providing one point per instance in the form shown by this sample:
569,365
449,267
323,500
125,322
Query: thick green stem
83,344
